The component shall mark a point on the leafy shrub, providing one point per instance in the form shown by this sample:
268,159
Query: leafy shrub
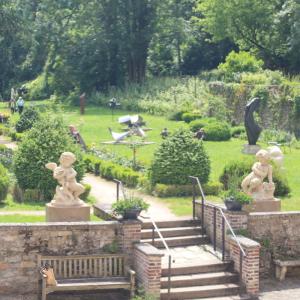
201,123
178,157
4,182
189,117
164,190
279,136
218,131
240,62
238,196
44,143
237,131
235,171
4,130
27,119
86,193
38,88
122,206
31,195
6,156
177,115
110,170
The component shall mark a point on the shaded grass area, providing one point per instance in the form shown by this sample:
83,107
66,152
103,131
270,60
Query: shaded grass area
20,218
10,205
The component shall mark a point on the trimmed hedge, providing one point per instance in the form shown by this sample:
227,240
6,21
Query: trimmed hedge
163,190
110,170
27,119
189,117
4,182
201,123
237,131
179,156
218,131
235,171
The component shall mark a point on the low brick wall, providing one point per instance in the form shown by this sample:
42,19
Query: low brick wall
237,220
147,264
279,234
250,262
21,243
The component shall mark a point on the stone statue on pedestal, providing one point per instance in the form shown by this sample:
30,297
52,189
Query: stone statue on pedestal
67,194
254,185
66,204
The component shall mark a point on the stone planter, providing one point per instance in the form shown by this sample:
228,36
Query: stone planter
233,205
132,214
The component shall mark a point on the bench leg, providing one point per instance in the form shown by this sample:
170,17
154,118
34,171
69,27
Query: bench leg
283,273
44,295
278,272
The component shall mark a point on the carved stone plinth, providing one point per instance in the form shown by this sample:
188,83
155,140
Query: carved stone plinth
67,214
250,149
263,206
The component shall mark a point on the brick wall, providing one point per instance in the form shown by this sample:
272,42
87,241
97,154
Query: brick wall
250,262
237,220
21,243
147,264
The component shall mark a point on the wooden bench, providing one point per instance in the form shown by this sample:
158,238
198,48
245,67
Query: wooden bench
282,267
87,272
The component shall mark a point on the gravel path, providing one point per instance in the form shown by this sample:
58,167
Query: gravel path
8,143
105,193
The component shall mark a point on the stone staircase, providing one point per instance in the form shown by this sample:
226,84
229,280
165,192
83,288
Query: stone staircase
195,273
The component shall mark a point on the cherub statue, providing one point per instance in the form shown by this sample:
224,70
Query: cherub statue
254,184
69,190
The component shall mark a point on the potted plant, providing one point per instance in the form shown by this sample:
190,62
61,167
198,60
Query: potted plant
130,208
235,199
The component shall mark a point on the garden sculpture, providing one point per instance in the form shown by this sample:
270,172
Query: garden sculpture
254,184
69,190
252,129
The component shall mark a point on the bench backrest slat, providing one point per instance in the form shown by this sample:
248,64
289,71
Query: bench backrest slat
78,266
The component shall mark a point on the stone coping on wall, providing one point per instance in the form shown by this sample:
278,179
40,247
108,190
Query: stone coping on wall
277,213
246,242
58,225
148,249
221,206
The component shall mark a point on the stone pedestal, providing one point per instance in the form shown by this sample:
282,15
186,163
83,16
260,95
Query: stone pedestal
67,213
263,206
250,149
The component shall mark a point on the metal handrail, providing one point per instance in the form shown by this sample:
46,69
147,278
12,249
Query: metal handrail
155,228
120,184
222,213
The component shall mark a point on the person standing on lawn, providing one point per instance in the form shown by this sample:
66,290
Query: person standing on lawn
20,105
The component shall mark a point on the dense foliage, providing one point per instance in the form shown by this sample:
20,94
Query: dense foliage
44,143
4,182
27,119
178,157
235,171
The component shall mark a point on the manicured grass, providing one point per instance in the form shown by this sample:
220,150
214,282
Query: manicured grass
20,218
94,128
10,205
183,206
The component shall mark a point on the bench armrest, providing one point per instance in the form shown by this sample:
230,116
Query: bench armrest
132,280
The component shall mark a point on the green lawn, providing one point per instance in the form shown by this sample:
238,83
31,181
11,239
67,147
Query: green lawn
20,218
94,128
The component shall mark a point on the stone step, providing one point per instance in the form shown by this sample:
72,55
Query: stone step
195,292
179,241
237,297
196,269
200,279
172,232
172,224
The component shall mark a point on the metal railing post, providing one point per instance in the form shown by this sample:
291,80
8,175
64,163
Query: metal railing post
194,199
118,183
241,268
153,235
169,277
215,228
223,239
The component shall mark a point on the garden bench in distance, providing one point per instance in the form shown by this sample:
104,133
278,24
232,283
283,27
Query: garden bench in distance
87,272
283,265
